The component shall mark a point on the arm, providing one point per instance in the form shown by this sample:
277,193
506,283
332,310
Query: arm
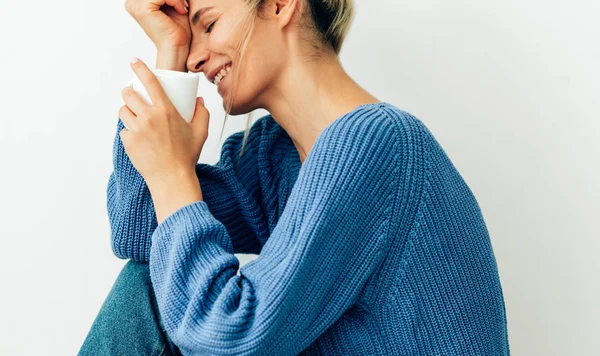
131,210
172,59
331,237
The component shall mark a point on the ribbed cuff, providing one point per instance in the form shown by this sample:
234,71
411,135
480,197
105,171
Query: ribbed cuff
194,214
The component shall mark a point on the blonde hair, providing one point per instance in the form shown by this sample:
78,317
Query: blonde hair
329,21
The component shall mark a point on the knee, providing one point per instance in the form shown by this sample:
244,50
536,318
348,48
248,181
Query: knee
136,268
134,276
127,322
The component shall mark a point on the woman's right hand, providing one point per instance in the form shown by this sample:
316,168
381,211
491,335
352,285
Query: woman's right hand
164,21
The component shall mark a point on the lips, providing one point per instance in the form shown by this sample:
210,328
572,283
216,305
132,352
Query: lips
211,76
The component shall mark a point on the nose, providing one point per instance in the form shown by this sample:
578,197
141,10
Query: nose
196,59
194,64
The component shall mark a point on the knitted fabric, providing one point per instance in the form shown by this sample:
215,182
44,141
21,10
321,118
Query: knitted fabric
375,245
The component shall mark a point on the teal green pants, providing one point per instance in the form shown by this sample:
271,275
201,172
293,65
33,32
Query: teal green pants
128,322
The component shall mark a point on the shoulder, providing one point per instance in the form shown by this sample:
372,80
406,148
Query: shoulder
372,130
377,150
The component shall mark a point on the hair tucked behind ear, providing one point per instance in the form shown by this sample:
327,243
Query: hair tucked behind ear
329,20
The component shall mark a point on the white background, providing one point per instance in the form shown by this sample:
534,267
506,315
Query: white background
509,88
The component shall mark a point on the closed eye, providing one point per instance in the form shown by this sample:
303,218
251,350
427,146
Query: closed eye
210,27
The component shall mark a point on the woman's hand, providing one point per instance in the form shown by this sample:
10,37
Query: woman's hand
164,21
161,145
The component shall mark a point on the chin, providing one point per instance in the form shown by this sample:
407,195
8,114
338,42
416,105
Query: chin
240,108
234,111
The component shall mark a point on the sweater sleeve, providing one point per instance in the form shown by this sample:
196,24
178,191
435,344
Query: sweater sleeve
131,211
331,237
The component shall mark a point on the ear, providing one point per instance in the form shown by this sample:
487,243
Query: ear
283,10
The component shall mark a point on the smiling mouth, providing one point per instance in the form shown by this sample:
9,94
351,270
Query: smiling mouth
222,74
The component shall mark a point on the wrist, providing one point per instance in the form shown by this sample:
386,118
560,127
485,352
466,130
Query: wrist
178,180
172,59
172,193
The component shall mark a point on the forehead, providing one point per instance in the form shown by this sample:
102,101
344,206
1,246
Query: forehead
197,13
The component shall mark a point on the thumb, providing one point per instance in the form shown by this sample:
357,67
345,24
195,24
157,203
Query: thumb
201,115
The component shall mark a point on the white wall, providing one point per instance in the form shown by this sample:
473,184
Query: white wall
508,88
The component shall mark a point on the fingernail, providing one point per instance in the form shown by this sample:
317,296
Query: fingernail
186,3
133,60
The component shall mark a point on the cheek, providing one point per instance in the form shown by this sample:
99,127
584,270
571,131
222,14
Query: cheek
227,39
254,77
222,44
263,58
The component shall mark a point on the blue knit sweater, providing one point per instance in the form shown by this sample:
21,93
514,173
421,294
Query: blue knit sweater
375,245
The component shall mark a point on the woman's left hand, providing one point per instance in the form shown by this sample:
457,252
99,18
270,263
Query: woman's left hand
161,145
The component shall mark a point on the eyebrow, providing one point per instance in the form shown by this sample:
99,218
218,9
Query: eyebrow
199,13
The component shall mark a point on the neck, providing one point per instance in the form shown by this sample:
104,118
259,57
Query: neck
310,95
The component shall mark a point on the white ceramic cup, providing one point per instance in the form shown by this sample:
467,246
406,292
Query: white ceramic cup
180,87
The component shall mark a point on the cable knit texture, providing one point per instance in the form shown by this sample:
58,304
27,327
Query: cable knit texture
375,245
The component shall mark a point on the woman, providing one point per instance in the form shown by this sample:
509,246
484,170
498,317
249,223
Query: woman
369,240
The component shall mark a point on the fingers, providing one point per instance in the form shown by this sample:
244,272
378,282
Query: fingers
134,101
180,5
128,118
200,112
151,84
200,120
132,6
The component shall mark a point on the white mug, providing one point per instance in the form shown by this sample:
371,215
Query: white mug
181,88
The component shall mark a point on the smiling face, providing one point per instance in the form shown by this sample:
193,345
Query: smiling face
218,29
